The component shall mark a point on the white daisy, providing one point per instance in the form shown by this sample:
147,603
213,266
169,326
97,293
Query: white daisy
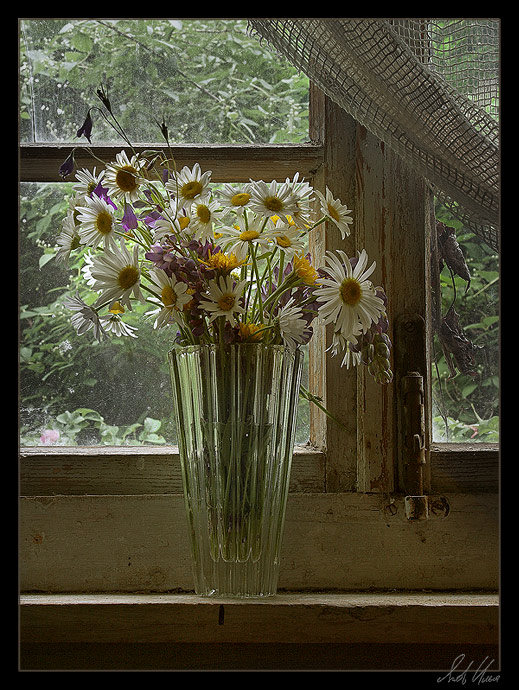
68,239
87,181
238,240
336,211
300,189
349,297
173,294
272,199
84,317
123,177
113,323
204,214
170,224
292,325
340,344
116,275
287,238
235,198
224,299
303,216
188,185
97,223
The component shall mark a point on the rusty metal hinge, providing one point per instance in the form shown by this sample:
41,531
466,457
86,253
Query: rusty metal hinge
413,432
418,505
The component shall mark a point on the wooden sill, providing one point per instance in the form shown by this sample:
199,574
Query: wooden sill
433,618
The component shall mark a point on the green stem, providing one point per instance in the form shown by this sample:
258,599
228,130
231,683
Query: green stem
258,283
305,393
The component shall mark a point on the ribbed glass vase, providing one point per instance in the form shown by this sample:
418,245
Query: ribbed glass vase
236,410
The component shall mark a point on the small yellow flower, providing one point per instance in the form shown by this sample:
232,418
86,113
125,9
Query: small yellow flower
116,308
248,331
289,220
305,270
223,263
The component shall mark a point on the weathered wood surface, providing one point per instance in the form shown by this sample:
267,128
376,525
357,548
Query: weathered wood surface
337,386
132,470
331,541
228,163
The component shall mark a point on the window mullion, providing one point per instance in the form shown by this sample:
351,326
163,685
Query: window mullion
335,384
392,221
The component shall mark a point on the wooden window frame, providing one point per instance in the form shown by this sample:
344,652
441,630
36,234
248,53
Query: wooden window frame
348,479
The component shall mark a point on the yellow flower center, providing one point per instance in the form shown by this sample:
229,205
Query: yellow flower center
126,178
350,291
169,296
273,203
203,213
127,277
226,302
191,189
74,244
332,211
283,241
305,270
90,187
104,222
240,199
248,235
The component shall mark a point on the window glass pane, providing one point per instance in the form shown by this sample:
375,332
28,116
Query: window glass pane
465,370
73,390
123,382
207,78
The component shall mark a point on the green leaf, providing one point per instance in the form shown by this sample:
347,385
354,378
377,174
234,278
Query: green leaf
151,425
45,258
467,390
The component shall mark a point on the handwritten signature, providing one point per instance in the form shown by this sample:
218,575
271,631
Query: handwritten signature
459,675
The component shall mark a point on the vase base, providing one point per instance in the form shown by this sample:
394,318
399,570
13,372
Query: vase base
237,579
215,594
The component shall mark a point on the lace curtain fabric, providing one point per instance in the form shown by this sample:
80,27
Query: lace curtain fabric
428,88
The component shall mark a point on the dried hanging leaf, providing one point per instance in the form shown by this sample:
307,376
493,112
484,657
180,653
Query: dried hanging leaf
450,252
456,346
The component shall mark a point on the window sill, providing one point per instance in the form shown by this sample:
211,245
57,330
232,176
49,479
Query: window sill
395,617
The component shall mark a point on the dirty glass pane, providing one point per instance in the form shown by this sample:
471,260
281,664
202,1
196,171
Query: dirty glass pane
208,80
73,390
465,370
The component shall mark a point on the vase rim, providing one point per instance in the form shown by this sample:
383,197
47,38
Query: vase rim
218,346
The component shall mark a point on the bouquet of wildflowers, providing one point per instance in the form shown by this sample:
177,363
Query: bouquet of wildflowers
217,263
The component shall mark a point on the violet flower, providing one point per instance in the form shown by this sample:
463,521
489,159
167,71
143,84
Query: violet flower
129,219
86,128
67,167
102,193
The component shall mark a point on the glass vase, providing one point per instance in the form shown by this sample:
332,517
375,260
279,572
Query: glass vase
236,411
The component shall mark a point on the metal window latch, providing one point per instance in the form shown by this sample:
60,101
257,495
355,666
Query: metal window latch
418,505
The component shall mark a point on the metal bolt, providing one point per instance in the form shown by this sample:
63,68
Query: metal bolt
439,506
391,508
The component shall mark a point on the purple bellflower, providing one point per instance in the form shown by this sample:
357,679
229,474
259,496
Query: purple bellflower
86,128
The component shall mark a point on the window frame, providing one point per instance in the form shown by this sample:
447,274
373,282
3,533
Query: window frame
359,461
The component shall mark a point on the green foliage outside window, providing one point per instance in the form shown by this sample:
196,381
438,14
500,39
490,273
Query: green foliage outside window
212,84
209,80
466,405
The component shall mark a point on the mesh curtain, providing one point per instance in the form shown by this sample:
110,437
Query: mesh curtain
428,88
